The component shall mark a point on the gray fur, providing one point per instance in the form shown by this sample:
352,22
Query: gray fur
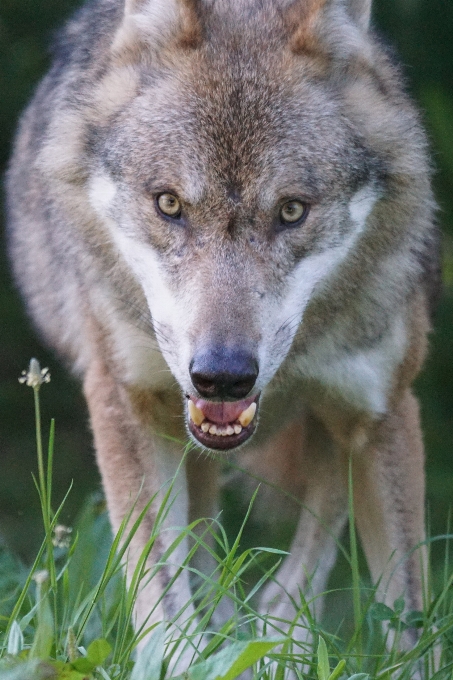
233,106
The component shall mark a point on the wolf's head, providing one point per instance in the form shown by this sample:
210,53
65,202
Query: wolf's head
239,167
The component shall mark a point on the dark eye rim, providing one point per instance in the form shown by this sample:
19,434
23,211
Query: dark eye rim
178,217
284,224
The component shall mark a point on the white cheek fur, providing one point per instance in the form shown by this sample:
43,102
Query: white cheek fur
101,191
310,273
314,269
363,377
167,310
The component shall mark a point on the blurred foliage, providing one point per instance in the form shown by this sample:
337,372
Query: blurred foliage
420,31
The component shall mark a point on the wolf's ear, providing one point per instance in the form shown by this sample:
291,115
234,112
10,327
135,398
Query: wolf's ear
152,24
305,19
360,11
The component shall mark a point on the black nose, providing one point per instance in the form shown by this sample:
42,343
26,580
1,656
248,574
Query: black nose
224,372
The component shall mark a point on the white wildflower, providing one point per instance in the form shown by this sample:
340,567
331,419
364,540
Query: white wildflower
41,576
35,376
62,536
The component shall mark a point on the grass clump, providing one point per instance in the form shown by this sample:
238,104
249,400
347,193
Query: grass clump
69,616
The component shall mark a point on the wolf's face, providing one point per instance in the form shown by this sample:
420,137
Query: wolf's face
233,189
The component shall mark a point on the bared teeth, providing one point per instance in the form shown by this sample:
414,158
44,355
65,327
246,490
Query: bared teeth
247,416
195,413
227,430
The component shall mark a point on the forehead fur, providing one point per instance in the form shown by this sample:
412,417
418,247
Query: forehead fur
241,107
241,113
324,29
261,116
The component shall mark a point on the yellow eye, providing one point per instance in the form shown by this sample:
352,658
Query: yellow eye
293,211
169,205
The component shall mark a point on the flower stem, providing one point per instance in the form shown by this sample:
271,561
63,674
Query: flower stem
44,491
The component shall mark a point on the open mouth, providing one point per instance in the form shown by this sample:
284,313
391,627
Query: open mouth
224,424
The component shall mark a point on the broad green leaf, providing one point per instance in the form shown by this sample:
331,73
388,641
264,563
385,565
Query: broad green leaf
83,665
323,660
65,671
149,663
398,605
230,662
359,676
98,651
381,612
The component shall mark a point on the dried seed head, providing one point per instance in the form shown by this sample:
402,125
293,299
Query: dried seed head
71,645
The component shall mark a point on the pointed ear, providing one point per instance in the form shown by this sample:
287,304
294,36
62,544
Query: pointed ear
149,24
300,18
360,11
304,19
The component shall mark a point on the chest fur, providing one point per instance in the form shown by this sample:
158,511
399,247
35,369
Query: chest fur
362,376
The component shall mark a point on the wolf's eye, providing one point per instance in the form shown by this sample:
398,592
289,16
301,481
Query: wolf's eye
293,212
169,205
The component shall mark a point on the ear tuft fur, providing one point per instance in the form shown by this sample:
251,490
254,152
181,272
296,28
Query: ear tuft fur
360,11
191,35
303,20
150,25
300,18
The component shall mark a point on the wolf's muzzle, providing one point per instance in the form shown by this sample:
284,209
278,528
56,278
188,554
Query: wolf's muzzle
223,415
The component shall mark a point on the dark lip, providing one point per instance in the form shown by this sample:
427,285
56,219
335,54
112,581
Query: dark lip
213,441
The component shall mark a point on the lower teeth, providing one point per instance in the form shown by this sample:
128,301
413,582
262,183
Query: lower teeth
219,431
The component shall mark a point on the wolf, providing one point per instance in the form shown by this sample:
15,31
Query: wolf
221,217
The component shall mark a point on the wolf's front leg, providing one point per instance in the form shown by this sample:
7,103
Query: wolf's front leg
389,495
314,547
135,465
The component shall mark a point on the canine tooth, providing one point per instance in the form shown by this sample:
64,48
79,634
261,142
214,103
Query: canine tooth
230,430
247,416
237,429
195,413
205,427
213,429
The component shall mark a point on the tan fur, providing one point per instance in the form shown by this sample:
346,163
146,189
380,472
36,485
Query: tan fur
192,33
301,18
237,108
131,477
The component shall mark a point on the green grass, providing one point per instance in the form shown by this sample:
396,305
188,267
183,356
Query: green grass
68,617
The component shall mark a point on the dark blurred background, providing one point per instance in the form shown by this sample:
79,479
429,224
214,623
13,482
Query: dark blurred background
422,33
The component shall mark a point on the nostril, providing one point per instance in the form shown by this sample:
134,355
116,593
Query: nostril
225,373
204,385
244,384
